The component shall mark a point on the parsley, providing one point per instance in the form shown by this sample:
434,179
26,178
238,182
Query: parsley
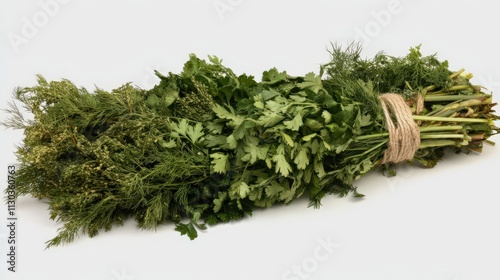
207,146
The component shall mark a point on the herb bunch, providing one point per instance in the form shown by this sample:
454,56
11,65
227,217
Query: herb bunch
207,146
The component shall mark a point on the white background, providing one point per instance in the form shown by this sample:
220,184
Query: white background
439,224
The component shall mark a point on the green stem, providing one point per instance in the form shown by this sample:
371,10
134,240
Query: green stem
442,136
429,88
455,74
436,98
440,128
448,119
436,143
457,107
489,142
372,136
367,151
422,130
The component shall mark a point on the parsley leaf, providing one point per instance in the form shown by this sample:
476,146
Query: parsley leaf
220,162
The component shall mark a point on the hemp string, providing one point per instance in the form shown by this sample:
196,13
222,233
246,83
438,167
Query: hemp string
420,103
404,133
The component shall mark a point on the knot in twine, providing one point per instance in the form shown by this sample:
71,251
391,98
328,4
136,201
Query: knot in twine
404,133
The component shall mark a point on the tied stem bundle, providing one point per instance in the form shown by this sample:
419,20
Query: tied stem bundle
208,146
404,136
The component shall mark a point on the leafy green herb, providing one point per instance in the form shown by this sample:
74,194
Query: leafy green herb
210,146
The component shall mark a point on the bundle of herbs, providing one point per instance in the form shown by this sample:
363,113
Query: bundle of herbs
208,146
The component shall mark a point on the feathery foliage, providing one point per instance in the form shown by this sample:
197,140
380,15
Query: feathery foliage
209,146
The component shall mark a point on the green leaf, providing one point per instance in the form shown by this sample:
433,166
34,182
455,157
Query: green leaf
288,195
183,126
196,217
212,141
295,123
153,100
258,101
274,188
244,190
269,119
313,124
232,142
219,200
298,98
336,132
215,127
246,81
269,163
282,165
188,229
255,193
311,82
341,147
239,189
269,94
195,133
242,129
171,95
365,120
357,194
245,105
308,173
302,158
315,147
220,162
319,168
255,153
215,60
273,76
327,146
277,105
365,166
169,144
222,113
191,66
288,139
327,116
308,138
347,114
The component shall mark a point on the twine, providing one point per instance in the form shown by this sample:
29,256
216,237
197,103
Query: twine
420,103
404,133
